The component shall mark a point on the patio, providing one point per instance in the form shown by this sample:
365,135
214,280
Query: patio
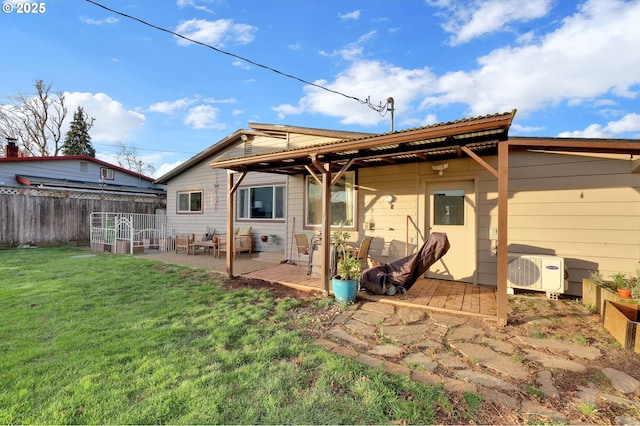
431,294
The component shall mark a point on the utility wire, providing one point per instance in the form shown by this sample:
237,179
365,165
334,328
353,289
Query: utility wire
380,109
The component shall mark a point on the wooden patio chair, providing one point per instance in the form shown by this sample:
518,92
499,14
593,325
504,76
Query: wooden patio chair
302,249
362,253
184,242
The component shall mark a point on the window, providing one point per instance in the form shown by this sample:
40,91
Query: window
84,167
190,202
343,201
106,174
262,202
448,207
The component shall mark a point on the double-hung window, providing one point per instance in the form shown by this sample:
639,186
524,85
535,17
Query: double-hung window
190,202
261,202
343,201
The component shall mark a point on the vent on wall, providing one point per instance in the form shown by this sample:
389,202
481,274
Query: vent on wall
537,272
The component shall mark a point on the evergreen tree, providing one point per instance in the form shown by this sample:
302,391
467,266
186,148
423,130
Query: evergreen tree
78,141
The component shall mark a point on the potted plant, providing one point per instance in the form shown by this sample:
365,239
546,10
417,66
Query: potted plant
346,282
623,284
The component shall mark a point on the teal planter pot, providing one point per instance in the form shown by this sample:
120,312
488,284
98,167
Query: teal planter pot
345,291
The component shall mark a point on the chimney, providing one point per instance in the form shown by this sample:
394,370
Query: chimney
11,150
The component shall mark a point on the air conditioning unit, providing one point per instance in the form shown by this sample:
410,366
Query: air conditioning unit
537,272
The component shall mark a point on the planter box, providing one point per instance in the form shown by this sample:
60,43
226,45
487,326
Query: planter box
100,247
621,320
596,295
122,246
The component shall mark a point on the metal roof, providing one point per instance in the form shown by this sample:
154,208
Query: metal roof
434,142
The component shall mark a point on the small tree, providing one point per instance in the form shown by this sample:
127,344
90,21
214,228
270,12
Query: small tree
78,141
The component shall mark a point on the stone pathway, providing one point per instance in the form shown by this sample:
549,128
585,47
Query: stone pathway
465,354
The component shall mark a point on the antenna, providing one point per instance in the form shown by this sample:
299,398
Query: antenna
391,108
382,110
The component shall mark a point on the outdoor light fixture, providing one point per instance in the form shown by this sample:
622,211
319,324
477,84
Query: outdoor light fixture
440,168
390,199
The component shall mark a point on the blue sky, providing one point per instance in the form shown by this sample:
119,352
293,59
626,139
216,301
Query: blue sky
570,68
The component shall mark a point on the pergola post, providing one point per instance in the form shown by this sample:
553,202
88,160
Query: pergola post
503,203
326,227
231,189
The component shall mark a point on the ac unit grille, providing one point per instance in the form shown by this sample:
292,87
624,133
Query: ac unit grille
524,272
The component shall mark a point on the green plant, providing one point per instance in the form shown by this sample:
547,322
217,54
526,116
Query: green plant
588,409
348,266
620,280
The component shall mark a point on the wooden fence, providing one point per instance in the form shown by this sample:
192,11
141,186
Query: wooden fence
51,217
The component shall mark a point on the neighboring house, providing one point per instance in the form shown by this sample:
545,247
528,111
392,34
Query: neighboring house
49,200
576,199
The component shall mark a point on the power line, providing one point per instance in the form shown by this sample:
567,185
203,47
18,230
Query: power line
380,109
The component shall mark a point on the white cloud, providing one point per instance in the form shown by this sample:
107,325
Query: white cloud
165,168
110,20
630,123
192,3
215,32
241,64
170,107
363,79
469,20
349,16
113,121
593,54
203,117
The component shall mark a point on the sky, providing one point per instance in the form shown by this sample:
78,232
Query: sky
569,68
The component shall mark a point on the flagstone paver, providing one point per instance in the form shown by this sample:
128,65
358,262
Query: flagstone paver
570,348
551,361
390,351
421,360
499,345
482,355
621,381
485,380
450,360
407,334
464,333
545,381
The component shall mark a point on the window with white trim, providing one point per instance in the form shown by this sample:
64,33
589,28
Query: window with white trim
343,201
106,173
261,202
189,202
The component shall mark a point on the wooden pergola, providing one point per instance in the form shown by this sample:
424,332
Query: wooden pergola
473,138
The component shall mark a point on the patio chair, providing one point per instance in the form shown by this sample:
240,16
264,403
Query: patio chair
362,252
243,242
303,249
184,242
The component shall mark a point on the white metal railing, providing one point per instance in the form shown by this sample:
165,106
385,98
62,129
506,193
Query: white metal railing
127,232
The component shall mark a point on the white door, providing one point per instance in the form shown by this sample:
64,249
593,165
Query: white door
451,209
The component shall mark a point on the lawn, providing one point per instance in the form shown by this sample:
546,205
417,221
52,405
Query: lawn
115,339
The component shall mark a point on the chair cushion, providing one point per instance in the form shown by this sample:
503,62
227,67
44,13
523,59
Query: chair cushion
244,230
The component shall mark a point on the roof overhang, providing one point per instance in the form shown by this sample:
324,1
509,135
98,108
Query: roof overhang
48,182
439,141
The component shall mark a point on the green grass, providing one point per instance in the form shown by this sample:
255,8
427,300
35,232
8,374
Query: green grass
114,339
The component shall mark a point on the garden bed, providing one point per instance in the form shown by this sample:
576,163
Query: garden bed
596,294
621,320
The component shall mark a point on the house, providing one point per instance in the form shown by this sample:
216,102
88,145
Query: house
498,198
197,195
49,200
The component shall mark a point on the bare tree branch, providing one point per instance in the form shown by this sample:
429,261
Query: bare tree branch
36,121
